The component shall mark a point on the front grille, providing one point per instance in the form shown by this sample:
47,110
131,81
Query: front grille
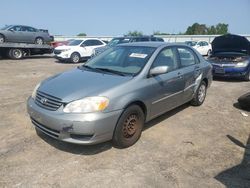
47,101
57,52
46,130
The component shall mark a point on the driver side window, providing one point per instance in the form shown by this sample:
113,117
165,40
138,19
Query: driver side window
167,57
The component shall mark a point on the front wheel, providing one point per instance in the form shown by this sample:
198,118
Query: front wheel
75,57
200,94
129,127
247,76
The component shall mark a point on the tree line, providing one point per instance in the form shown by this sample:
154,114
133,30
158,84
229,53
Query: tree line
195,29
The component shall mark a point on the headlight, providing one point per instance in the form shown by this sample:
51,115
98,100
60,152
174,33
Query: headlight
87,105
242,64
34,91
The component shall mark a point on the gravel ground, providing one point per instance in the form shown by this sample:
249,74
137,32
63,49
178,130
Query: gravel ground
188,147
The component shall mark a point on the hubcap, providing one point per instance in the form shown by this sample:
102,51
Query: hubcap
202,93
75,58
130,126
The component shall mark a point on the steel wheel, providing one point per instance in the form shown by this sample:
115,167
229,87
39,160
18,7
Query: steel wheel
130,126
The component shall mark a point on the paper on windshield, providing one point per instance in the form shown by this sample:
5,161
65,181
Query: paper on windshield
137,55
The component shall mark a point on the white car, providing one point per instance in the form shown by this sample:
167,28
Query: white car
77,50
203,47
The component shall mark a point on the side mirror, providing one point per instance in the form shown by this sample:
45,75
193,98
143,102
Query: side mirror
158,70
83,45
12,30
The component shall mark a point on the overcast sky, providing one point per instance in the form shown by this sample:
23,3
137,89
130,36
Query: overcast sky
117,17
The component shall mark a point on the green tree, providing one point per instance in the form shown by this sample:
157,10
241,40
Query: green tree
221,28
212,30
196,29
134,33
202,29
82,35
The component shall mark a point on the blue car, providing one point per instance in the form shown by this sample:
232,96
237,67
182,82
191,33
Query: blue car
231,57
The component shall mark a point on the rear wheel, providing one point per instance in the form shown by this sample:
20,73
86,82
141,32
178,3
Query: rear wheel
209,52
200,94
75,57
129,127
16,53
39,41
2,39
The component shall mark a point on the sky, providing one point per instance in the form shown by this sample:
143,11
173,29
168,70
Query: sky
117,17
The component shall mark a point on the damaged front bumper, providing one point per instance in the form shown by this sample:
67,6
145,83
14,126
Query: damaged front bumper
91,128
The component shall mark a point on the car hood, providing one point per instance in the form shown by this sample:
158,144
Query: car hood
64,47
77,83
231,43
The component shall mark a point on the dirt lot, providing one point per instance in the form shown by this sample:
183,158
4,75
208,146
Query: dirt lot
188,147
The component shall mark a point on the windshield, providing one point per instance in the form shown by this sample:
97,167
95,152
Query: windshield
5,27
117,41
128,60
191,43
74,42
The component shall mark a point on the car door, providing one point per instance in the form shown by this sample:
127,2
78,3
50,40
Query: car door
14,34
191,71
31,34
89,45
26,35
166,89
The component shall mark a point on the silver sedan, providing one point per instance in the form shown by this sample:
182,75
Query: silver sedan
114,94
25,34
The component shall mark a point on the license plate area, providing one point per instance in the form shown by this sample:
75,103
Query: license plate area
219,70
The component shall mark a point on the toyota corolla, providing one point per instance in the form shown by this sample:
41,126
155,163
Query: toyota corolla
112,95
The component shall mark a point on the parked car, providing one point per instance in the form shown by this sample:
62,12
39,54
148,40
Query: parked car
114,94
203,47
24,34
244,101
77,50
61,43
121,40
231,57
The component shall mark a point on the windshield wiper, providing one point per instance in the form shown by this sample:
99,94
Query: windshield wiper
112,71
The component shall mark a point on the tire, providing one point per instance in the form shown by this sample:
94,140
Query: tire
2,39
129,127
209,52
39,40
200,95
247,76
75,57
16,53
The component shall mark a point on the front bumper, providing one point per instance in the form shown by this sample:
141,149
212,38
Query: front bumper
62,56
232,72
91,128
